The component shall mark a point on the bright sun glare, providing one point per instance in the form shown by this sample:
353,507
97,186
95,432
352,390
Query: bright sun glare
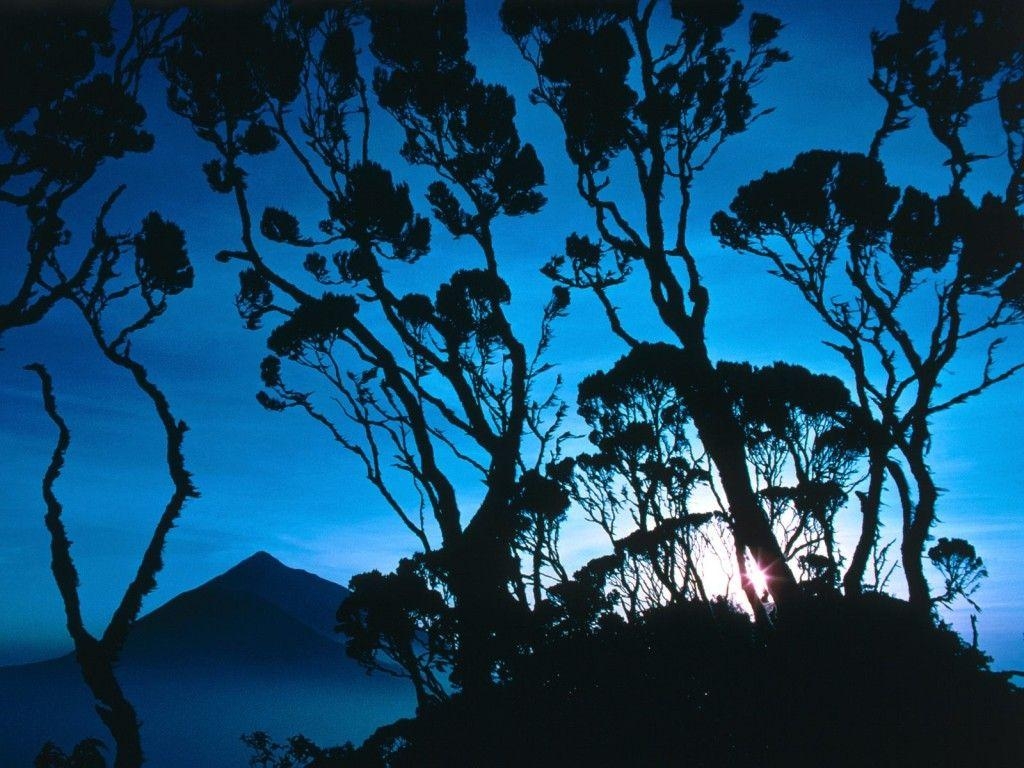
758,579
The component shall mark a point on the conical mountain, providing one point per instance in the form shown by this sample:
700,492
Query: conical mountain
260,612
304,596
252,649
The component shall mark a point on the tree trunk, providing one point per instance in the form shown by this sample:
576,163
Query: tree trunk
722,437
918,516
915,535
423,699
870,503
482,567
481,610
116,712
760,612
472,670
123,724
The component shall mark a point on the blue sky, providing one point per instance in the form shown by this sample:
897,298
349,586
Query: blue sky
275,481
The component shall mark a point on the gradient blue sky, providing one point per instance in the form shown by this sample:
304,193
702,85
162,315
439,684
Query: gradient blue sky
275,482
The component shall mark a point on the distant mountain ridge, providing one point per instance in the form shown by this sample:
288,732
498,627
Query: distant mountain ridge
253,648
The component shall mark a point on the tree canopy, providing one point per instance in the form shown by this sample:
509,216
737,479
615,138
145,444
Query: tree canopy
372,176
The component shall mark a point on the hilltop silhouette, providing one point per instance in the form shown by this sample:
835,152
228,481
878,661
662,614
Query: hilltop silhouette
252,648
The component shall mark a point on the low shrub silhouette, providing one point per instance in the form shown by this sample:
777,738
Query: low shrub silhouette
843,682
846,683
88,753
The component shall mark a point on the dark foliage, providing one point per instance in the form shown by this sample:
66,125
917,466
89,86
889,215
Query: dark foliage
862,252
397,619
630,661
88,753
161,260
961,569
840,683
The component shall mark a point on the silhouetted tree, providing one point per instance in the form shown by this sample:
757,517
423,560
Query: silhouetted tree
867,256
805,440
961,568
803,444
456,420
70,106
400,616
647,93
435,386
623,693
540,504
637,484
160,269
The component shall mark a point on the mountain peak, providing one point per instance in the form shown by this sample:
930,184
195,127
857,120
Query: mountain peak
261,558
253,647
305,596
259,566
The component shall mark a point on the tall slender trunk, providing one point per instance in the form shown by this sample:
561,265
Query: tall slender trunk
95,657
870,504
916,532
730,460
722,437
760,612
711,408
